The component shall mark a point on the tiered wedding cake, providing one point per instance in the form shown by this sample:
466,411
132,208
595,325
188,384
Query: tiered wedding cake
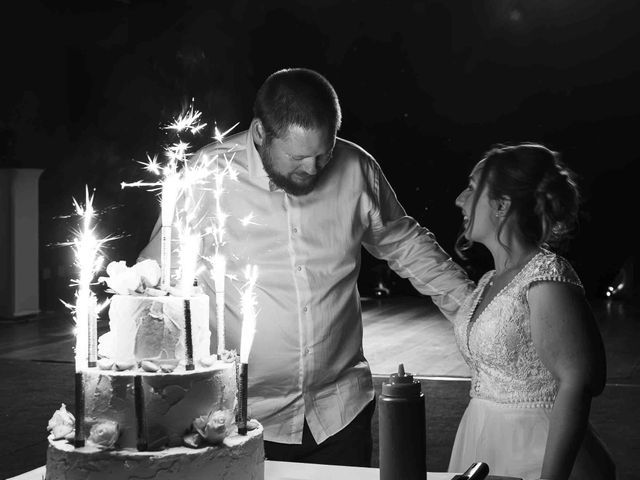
157,404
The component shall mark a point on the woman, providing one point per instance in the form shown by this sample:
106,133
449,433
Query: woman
527,332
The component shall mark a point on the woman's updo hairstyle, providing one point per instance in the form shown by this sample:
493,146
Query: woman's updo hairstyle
544,195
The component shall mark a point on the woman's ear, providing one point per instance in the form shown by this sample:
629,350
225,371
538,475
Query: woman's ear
504,204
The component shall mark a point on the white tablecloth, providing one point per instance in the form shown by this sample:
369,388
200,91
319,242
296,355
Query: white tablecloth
297,471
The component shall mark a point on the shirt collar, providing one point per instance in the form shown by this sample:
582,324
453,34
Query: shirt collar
254,163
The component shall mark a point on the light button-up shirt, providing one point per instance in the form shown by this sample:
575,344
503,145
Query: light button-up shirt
307,358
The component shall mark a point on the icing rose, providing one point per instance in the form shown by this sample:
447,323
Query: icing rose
104,434
149,272
121,279
128,280
214,427
62,423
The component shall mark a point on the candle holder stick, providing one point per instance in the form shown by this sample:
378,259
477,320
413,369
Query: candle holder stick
188,335
142,441
79,411
242,403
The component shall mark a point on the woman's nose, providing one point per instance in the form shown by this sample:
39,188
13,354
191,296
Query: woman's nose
460,199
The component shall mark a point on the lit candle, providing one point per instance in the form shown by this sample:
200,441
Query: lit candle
219,273
189,251
86,247
92,333
189,246
170,188
248,306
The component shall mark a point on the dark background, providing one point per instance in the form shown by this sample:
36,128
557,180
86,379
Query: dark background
426,87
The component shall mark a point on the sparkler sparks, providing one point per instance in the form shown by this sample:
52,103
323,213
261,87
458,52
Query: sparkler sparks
88,261
177,178
220,136
189,249
187,121
248,307
223,168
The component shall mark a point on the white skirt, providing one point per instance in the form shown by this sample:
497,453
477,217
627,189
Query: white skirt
512,439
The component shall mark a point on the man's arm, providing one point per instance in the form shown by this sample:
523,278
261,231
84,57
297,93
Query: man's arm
412,250
152,250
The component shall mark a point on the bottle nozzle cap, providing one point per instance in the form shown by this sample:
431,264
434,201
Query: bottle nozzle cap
401,376
401,384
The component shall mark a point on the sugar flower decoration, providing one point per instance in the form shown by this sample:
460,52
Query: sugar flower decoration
214,427
62,423
104,434
130,280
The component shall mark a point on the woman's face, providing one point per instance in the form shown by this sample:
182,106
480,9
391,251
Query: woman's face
480,221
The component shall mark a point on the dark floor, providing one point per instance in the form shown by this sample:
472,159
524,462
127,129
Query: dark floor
37,355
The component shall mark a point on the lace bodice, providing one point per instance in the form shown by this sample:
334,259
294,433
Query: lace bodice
497,346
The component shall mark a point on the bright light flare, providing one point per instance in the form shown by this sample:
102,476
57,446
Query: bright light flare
88,261
248,308
189,251
189,120
218,136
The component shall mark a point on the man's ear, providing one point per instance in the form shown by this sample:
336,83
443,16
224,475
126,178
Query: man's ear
258,131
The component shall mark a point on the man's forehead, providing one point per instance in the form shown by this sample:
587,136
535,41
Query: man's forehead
304,139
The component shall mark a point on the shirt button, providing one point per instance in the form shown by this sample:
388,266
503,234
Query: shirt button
304,309
295,230
299,268
306,351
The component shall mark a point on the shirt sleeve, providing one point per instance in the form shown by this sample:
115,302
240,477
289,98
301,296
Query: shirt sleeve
412,250
152,250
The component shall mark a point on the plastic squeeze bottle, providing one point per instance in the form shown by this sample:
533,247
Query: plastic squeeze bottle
402,428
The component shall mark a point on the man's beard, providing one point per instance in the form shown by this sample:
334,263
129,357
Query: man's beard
284,182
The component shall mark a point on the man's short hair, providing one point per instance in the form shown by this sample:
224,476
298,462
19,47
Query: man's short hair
297,96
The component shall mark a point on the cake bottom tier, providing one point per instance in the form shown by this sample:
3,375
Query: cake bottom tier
240,457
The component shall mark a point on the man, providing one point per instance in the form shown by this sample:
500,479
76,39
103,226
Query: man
313,201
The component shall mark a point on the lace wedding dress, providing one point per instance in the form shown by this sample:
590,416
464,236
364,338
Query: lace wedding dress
512,393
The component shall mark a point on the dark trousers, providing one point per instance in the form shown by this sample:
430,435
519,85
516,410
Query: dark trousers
351,446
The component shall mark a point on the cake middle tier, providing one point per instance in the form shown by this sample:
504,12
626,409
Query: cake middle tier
156,327
168,403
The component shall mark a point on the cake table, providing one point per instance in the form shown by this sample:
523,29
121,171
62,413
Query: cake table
302,471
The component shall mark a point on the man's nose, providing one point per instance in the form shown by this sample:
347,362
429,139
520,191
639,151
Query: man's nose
310,166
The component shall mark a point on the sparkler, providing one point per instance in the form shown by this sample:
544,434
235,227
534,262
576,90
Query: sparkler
217,230
174,182
86,247
170,189
188,258
219,136
88,262
219,272
248,306
189,250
